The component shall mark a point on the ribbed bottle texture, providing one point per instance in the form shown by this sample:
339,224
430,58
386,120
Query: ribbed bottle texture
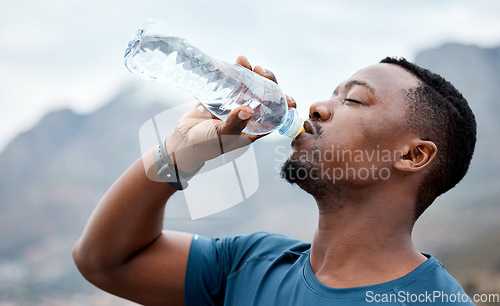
154,54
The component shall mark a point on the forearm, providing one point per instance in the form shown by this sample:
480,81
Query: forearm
128,218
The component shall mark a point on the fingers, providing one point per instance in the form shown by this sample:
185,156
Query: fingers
236,121
265,73
291,101
243,61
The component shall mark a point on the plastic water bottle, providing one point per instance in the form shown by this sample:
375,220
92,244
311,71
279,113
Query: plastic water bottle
158,54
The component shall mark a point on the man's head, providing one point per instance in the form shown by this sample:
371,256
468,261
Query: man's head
391,123
437,111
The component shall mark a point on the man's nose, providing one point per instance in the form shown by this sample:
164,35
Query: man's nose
320,111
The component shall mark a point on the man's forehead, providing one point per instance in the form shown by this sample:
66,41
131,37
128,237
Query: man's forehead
351,82
382,78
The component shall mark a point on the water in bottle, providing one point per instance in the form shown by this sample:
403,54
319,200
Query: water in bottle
158,54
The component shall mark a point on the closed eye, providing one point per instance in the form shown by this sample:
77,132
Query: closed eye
352,101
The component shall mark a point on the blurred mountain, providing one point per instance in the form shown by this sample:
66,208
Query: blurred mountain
475,71
462,227
53,176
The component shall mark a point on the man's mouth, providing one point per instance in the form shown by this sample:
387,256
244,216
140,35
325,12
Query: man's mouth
308,127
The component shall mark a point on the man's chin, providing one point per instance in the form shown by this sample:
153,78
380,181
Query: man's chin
294,171
305,175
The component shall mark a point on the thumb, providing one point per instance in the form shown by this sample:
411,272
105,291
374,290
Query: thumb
236,120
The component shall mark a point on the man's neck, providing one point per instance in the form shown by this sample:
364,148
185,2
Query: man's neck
363,241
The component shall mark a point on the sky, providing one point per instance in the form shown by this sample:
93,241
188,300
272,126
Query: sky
58,54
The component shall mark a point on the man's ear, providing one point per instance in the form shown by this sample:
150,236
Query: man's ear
418,156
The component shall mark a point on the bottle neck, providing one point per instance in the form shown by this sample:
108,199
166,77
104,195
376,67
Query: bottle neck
293,124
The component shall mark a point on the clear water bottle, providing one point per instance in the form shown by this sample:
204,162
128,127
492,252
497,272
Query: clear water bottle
158,54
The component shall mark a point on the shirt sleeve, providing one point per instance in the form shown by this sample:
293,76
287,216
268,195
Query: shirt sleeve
209,263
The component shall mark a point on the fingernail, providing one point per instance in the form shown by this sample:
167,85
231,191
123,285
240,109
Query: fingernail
244,115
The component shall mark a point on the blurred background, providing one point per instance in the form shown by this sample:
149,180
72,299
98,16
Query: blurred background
70,113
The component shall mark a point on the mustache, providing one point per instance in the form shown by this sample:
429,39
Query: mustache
318,130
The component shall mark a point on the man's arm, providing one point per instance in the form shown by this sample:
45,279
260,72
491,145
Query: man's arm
123,249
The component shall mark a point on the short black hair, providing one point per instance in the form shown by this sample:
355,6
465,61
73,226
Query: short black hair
438,112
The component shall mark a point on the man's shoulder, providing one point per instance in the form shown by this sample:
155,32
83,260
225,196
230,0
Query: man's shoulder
438,277
259,244
433,282
267,244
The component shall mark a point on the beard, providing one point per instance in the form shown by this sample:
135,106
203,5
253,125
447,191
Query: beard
306,175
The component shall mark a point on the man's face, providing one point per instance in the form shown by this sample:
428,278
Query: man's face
354,136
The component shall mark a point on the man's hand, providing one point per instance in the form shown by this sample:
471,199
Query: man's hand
123,249
200,136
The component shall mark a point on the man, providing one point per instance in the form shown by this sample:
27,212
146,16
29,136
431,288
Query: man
368,202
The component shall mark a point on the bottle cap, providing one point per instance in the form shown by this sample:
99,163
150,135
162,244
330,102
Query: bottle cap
293,126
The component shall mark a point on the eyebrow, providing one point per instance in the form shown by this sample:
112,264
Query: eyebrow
351,83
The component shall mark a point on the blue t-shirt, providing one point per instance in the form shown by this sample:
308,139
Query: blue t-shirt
269,269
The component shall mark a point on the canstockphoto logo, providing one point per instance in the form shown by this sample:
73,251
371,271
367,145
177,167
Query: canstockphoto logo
222,182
